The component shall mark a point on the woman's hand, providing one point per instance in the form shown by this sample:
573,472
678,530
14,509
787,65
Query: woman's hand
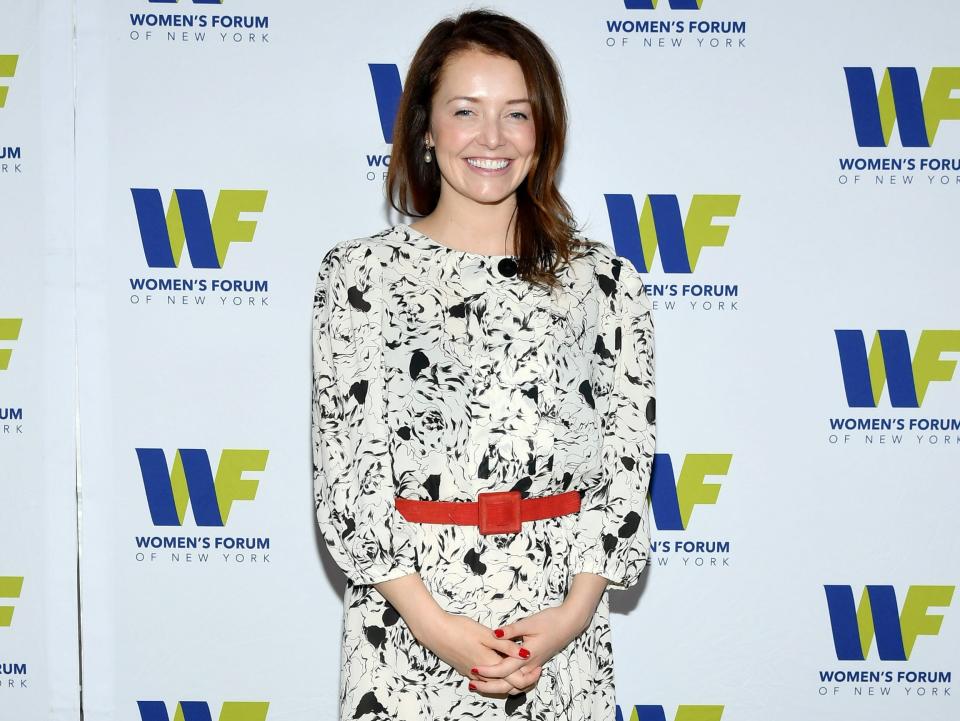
459,641
465,644
544,634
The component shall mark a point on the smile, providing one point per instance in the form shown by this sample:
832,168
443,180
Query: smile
488,164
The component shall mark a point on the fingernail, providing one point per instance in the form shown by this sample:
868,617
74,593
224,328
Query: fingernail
473,687
474,671
498,633
524,653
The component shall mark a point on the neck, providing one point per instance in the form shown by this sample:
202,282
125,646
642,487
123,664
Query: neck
463,223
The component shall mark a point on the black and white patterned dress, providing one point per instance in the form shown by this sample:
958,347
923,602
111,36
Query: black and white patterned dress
437,374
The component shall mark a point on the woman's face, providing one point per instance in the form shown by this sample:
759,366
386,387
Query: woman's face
481,114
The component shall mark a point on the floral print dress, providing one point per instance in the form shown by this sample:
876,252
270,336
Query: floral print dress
438,374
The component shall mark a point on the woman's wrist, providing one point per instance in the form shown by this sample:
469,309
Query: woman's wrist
413,601
424,621
582,599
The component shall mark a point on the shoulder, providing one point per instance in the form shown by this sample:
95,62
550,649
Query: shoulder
615,275
356,257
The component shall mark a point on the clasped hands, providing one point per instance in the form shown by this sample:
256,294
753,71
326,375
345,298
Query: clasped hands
494,662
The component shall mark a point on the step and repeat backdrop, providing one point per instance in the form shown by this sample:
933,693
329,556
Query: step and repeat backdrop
39,635
786,174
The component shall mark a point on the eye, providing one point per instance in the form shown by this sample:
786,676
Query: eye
522,115
463,110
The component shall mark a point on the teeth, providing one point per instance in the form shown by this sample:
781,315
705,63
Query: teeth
488,164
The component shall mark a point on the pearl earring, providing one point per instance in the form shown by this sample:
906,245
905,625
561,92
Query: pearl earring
427,156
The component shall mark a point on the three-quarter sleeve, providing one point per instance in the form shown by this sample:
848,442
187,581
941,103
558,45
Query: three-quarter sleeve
353,484
612,535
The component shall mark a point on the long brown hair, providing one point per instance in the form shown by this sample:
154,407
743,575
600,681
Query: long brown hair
545,224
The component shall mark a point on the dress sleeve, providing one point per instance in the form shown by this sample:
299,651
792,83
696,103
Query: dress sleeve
612,535
352,477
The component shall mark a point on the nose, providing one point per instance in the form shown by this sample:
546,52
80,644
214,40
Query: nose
490,132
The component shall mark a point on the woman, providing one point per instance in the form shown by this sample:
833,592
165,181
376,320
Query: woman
483,407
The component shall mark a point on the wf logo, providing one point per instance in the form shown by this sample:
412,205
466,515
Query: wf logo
187,221
684,713
9,331
8,68
200,711
386,89
673,499
854,627
662,225
899,101
652,4
10,587
889,362
192,479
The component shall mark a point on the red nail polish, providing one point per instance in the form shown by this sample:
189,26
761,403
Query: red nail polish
498,633
472,687
474,671
524,653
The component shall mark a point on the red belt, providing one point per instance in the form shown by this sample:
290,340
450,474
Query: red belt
493,512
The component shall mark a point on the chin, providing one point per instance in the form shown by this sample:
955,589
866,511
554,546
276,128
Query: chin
489,199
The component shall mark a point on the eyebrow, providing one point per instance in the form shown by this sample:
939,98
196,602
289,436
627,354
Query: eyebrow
473,100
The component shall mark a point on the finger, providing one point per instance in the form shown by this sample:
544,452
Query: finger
498,670
508,648
497,685
524,679
502,686
511,630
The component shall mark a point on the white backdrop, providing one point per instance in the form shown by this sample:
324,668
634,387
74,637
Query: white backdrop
731,129
39,664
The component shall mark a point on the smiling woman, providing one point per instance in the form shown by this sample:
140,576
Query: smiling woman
483,410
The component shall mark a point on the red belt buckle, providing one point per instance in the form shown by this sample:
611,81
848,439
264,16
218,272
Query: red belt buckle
498,512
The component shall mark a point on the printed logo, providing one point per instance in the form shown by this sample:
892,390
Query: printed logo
683,713
652,4
679,31
13,674
673,499
8,68
199,27
191,480
900,101
10,588
188,221
387,88
11,417
200,711
917,112
11,152
661,226
9,333
889,363
878,616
